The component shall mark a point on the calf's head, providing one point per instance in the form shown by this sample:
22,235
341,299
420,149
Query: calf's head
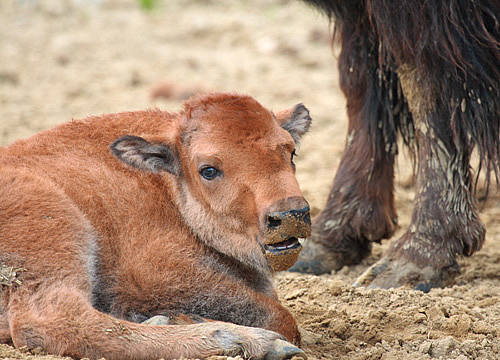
229,163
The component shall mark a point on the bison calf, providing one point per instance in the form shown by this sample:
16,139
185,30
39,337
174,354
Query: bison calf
113,220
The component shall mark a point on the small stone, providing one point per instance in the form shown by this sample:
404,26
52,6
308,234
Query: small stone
425,347
386,345
464,323
443,347
335,287
10,78
419,318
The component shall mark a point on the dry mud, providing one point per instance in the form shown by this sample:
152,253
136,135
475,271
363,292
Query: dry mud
68,59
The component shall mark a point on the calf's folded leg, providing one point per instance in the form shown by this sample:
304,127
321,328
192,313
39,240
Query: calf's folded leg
63,322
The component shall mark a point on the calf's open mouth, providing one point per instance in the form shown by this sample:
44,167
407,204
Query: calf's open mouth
282,247
282,255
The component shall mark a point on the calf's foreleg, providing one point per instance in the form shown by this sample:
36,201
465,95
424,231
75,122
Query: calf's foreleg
63,322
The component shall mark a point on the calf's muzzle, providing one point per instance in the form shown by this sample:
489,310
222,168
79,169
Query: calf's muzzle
284,223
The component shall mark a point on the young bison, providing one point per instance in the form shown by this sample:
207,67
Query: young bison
113,220
429,71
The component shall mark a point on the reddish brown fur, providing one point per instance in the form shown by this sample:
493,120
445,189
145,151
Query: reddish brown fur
92,232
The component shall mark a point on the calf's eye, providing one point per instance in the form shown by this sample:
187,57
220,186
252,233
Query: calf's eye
209,173
294,154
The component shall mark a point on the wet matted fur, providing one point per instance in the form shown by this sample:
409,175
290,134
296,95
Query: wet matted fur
429,73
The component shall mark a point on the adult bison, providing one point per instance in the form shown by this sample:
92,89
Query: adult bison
113,220
428,71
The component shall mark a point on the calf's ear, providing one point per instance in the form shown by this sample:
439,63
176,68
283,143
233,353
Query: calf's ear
296,121
144,155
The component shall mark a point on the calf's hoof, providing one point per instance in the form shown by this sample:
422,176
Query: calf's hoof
391,272
158,320
180,319
282,350
255,343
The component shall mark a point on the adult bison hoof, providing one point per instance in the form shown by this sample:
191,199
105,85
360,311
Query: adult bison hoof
397,272
317,259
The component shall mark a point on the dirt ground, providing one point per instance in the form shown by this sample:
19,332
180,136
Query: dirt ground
68,59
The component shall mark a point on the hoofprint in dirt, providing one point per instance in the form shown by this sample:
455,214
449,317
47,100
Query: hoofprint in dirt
71,58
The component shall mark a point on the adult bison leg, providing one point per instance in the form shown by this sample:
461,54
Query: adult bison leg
445,221
360,206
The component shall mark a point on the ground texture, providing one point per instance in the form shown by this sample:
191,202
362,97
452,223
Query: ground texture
68,59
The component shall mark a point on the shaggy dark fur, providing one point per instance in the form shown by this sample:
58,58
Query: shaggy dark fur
430,72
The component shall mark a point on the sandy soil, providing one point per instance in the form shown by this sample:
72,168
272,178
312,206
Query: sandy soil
69,59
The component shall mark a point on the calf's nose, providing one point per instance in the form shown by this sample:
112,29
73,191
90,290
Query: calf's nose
276,218
289,217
